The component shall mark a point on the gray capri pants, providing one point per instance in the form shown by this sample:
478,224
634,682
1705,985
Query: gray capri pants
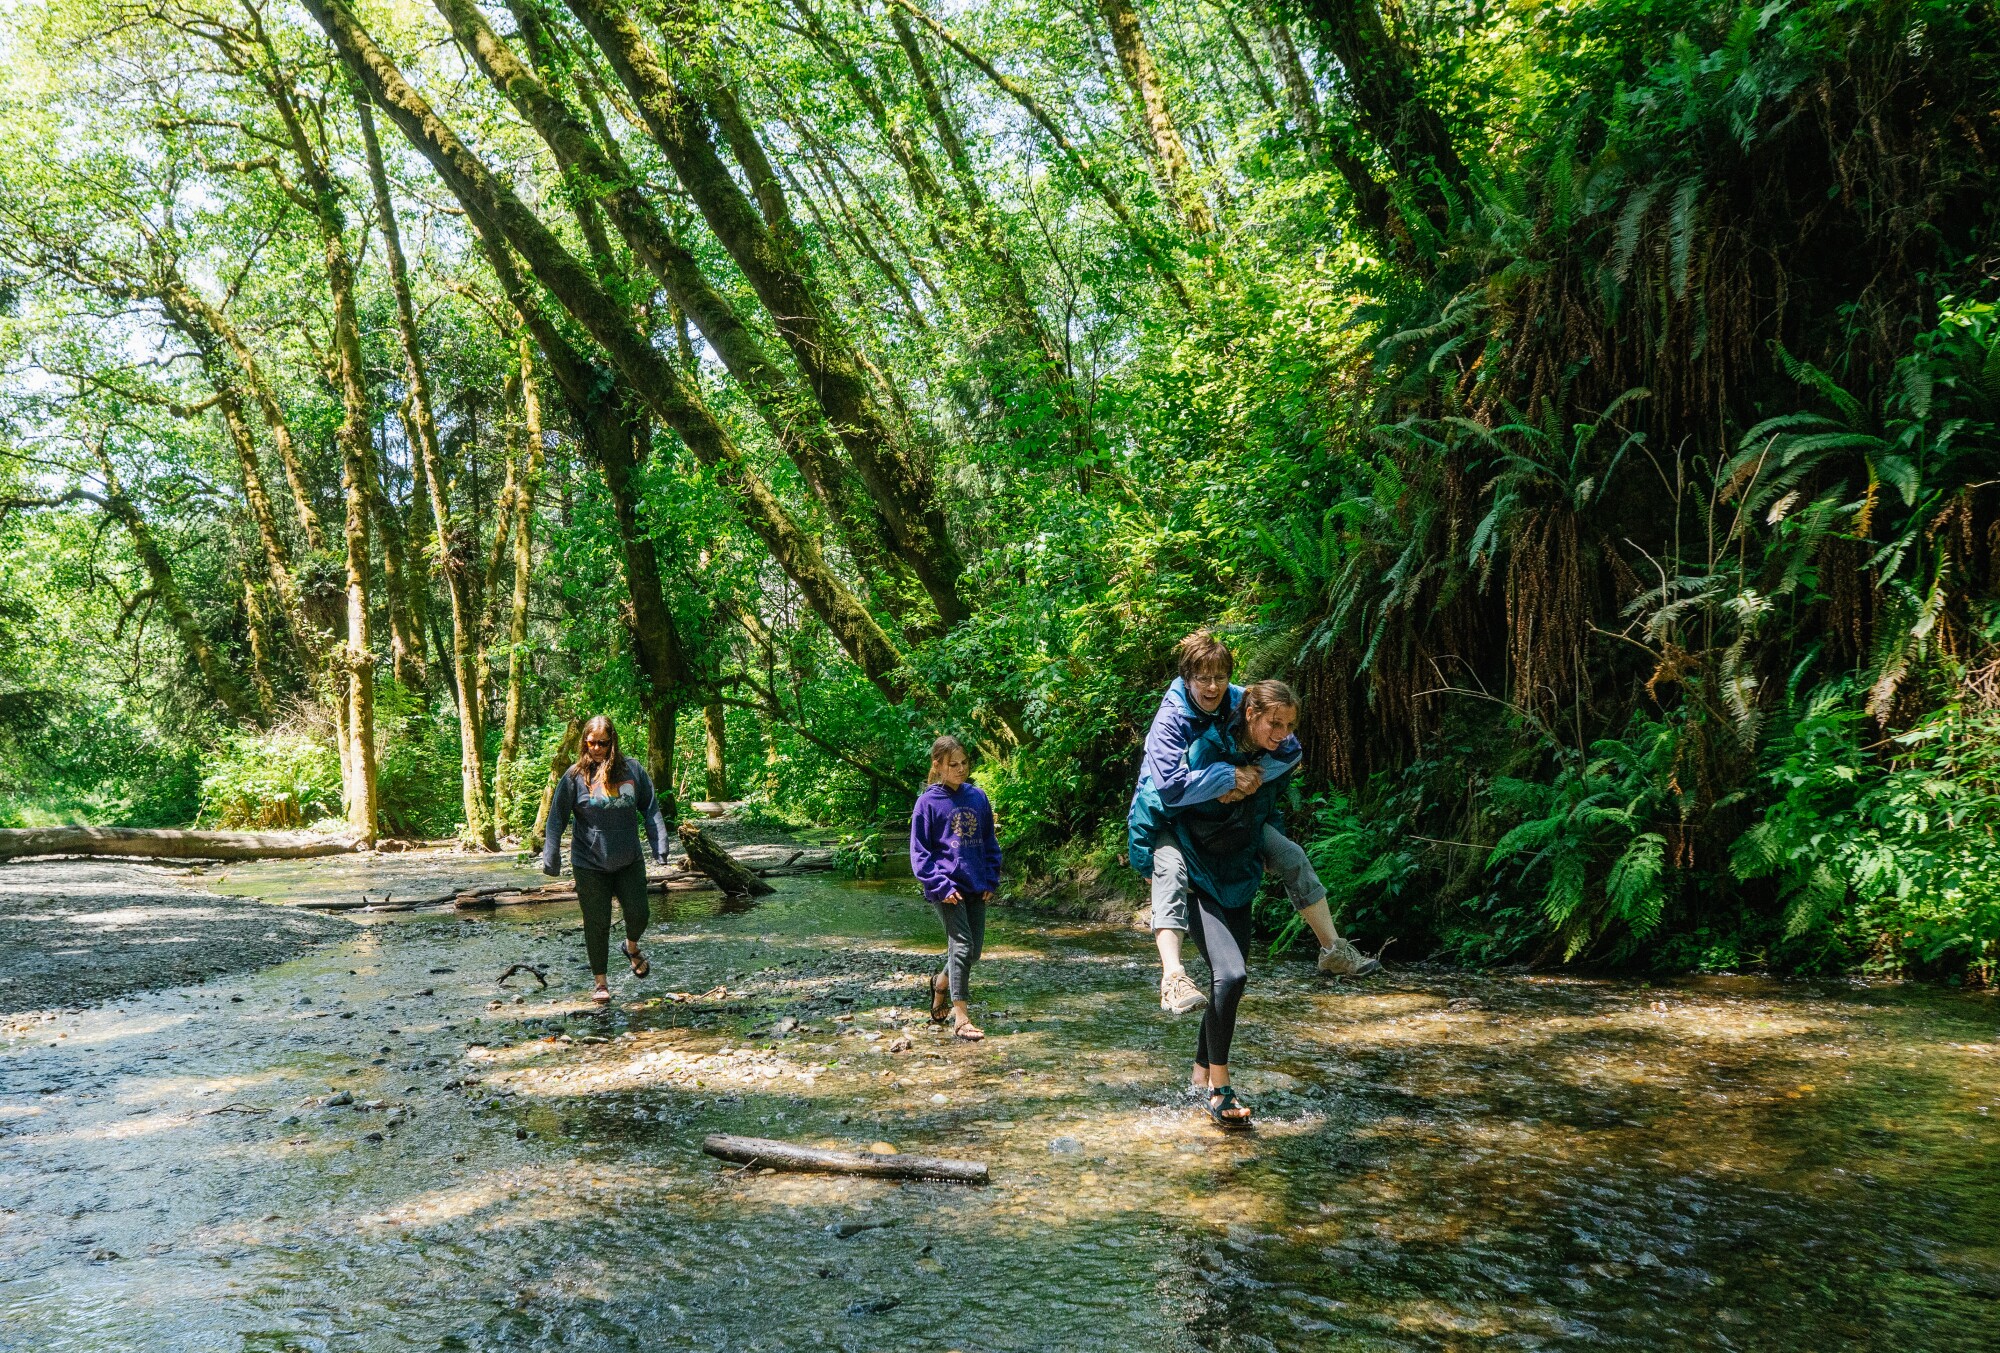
1282,856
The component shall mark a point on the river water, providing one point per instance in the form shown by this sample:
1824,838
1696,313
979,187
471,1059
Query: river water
1443,1160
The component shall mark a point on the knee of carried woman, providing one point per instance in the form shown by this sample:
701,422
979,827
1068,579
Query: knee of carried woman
1280,850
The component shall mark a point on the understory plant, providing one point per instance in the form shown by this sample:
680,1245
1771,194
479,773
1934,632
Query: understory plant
1882,845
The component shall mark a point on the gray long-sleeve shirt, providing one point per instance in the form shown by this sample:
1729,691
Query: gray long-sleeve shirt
607,827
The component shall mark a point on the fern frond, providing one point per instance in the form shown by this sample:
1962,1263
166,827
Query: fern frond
1625,241
1633,886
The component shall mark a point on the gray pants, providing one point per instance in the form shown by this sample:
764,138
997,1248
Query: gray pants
1282,856
965,935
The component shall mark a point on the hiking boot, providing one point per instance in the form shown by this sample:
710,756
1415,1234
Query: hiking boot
1342,959
1179,995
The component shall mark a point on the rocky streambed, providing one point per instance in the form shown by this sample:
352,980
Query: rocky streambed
353,1136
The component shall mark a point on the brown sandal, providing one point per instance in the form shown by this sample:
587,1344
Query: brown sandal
641,965
940,999
968,1031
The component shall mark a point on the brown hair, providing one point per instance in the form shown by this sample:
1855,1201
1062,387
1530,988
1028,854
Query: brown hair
1258,697
943,750
1200,652
614,760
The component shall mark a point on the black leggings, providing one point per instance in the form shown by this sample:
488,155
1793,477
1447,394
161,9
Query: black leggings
1223,936
594,890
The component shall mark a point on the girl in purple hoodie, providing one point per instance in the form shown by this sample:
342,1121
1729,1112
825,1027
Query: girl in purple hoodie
956,858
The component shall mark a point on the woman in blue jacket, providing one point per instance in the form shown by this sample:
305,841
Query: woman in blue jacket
1223,842
956,857
609,795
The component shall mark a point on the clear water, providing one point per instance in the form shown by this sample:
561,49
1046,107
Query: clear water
1444,1161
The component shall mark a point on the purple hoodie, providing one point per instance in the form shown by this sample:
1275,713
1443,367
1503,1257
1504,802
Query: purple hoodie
952,844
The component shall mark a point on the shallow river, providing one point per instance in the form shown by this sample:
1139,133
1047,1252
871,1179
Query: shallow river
1443,1160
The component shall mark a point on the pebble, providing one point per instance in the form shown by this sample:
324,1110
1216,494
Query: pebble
1064,1146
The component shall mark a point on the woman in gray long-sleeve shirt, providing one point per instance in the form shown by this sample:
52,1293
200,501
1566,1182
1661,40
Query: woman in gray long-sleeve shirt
609,795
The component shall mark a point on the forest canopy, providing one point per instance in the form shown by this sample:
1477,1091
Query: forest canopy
1593,408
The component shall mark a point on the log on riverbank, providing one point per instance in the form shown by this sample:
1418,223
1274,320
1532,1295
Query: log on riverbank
144,843
508,895
763,1152
719,865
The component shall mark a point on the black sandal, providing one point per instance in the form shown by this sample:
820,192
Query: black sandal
940,999
640,964
1221,1099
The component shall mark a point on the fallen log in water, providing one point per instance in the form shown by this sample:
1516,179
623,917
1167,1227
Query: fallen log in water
762,1151
161,844
719,865
509,896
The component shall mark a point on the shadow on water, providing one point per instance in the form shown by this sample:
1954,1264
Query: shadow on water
376,1147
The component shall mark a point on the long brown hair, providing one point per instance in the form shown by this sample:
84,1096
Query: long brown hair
943,750
1258,697
614,760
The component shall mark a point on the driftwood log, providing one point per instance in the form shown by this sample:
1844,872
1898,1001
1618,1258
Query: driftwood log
761,1151
21,842
508,896
716,862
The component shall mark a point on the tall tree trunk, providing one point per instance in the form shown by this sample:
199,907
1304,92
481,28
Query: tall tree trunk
566,752
357,448
1086,170
780,274
1010,285
465,675
1379,79
598,167
498,554
662,723
611,423
257,622
191,314
517,626
1142,77
160,581
275,421
501,216
1373,206
717,759
406,637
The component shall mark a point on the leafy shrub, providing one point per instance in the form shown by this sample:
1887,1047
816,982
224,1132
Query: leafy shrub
419,793
858,855
283,779
1588,837
1887,846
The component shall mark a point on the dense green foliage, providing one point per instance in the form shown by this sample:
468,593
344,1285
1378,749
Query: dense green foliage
1595,408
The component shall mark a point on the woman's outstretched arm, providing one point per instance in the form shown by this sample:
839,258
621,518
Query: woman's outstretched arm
560,806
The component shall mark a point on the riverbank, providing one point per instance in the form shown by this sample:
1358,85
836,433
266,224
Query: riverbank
74,933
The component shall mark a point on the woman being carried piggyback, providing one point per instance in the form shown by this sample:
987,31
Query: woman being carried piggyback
956,858
1222,841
